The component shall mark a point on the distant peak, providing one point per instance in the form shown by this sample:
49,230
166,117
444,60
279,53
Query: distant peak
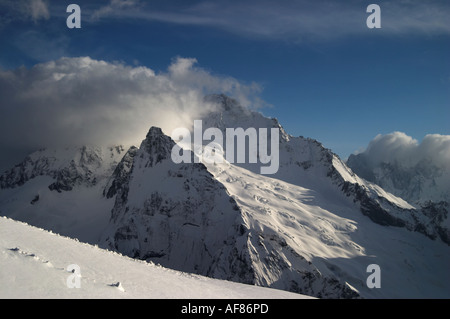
226,102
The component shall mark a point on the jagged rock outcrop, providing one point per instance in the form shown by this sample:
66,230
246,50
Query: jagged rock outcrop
176,215
69,167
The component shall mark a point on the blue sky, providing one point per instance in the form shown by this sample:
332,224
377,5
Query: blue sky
320,70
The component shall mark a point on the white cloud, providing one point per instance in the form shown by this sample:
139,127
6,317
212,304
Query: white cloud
86,101
34,10
296,21
38,9
116,7
397,147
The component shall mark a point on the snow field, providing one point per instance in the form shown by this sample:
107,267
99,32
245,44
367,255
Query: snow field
33,264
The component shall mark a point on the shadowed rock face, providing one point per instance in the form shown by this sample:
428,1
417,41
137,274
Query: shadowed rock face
176,215
428,220
119,178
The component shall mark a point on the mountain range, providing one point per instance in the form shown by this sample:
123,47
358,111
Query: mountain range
311,228
422,184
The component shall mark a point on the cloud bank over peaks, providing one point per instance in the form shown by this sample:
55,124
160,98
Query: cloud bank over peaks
85,101
397,147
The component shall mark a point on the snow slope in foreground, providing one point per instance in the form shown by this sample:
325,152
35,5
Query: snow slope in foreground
34,262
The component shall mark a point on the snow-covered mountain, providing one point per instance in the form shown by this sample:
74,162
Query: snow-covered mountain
305,162
182,217
61,190
69,167
419,184
176,214
311,228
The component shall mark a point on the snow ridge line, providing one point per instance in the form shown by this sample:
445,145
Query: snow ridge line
25,253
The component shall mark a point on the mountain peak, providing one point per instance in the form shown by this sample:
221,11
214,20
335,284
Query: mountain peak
157,145
229,107
226,102
154,132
